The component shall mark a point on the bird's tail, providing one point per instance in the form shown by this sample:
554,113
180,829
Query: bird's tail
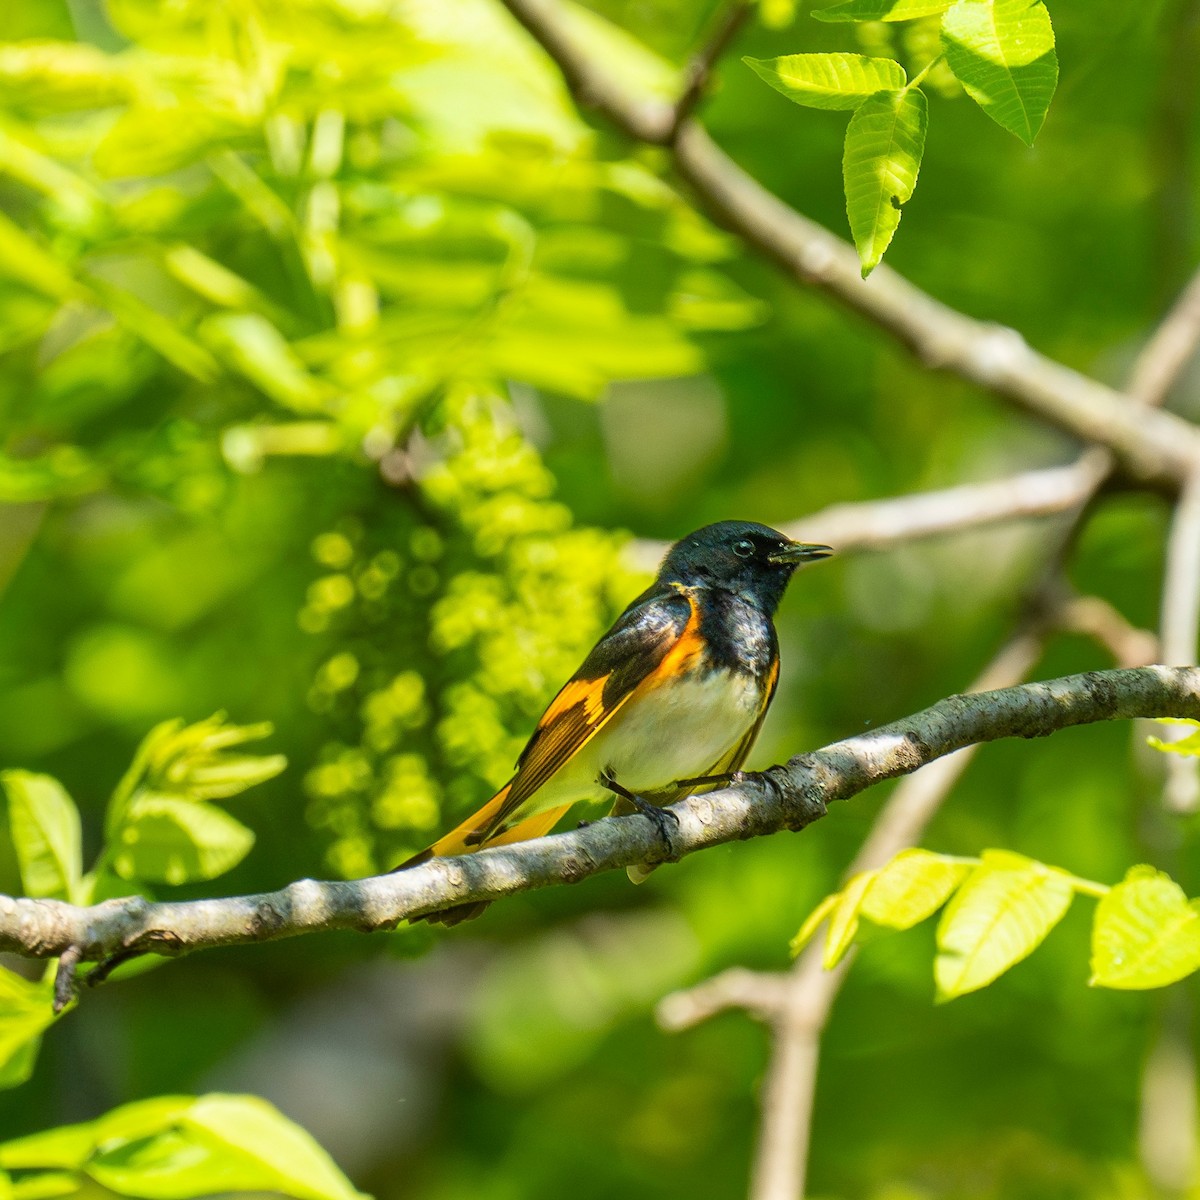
472,835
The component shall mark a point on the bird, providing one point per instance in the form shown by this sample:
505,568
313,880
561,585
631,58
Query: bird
668,702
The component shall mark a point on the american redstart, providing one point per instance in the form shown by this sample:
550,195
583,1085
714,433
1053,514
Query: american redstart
668,702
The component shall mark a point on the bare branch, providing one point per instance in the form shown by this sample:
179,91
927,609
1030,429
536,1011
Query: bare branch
880,524
760,993
1169,349
1097,619
1180,628
1150,446
784,797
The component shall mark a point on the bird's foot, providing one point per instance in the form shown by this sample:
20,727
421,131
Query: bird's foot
665,822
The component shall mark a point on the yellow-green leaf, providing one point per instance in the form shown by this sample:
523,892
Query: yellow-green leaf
165,840
45,831
834,81
884,144
1002,52
1189,745
882,10
1000,915
25,1013
914,885
812,922
843,920
1146,933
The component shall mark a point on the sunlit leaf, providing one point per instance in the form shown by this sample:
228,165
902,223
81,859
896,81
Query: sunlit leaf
253,347
884,144
46,834
1000,915
813,922
61,76
46,1185
837,81
25,1014
843,919
1002,51
913,886
158,331
24,259
67,1148
881,10
1146,933
165,840
214,1144
1188,746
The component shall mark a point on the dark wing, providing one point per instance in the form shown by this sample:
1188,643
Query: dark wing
655,623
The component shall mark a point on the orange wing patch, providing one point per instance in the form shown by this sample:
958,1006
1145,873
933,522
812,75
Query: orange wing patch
682,656
588,692
580,711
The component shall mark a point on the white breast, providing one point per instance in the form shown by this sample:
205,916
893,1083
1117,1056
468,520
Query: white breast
675,731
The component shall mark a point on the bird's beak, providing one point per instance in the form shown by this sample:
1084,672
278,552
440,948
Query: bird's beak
800,552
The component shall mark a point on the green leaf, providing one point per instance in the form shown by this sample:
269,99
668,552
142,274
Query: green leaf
1146,933
1002,52
884,144
882,10
1188,746
843,921
23,258
47,1185
45,833
66,1148
191,762
914,885
161,333
836,81
812,922
1000,915
25,1013
166,840
215,1144
253,347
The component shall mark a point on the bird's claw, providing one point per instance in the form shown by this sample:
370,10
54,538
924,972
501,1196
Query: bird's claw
661,818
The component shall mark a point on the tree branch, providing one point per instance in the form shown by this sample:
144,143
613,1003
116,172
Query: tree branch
1151,446
725,29
784,797
880,524
1178,630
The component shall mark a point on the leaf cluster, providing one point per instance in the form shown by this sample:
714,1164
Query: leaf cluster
1000,51
998,908
160,827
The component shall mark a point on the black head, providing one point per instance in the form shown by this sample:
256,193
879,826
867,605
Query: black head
752,560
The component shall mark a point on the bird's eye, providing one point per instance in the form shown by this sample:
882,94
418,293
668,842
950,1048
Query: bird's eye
743,549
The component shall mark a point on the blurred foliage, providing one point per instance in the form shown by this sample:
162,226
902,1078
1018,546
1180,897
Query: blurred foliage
305,310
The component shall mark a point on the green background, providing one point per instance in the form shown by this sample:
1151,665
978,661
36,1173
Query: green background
339,359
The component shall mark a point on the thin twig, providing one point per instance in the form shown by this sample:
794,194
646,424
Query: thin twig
880,524
1169,349
729,21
